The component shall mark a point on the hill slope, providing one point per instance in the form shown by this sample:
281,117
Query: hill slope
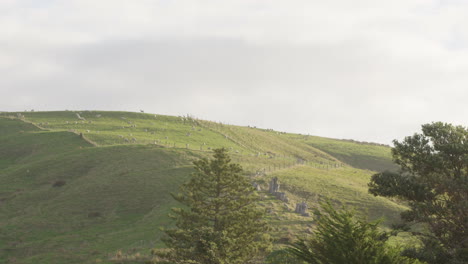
66,198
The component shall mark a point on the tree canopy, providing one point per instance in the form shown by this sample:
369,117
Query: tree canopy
434,182
220,223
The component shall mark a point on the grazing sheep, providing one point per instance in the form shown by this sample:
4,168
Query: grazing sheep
98,116
87,131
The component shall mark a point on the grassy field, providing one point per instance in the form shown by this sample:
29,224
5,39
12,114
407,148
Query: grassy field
66,198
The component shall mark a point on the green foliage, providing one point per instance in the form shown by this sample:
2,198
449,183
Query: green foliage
434,181
283,256
221,223
340,238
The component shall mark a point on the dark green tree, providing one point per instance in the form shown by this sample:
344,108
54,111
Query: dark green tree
434,182
342,238
221,223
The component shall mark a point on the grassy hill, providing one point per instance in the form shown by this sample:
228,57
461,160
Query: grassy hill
76,187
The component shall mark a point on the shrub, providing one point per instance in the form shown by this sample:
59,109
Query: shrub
340,238
59,183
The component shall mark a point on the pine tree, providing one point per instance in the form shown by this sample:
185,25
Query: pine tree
221,223
341,238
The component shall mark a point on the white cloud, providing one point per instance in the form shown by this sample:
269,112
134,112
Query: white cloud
369,70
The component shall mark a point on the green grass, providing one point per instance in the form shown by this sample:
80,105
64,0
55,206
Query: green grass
345,185
357,154
117,194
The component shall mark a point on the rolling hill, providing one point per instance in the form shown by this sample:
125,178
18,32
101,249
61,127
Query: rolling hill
78,186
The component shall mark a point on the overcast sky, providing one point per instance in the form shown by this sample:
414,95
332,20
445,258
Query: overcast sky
369,70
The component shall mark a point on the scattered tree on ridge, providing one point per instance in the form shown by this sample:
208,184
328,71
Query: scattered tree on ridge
434,182
341,238
220,223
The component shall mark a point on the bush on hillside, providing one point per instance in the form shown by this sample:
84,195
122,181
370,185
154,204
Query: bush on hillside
59,183
341,238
